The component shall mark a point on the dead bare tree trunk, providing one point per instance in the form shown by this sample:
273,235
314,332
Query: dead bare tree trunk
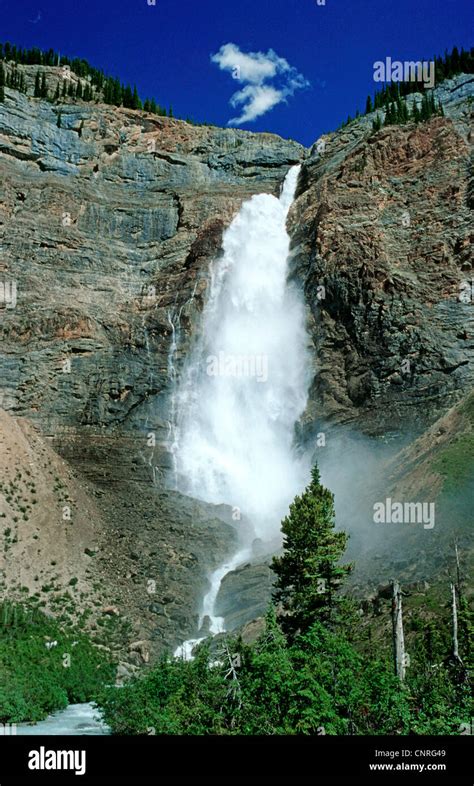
458,570
399,655
455,625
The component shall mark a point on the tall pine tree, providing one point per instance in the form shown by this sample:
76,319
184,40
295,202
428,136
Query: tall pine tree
44,87
2,83
309,572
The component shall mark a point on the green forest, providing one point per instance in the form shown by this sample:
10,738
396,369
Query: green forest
108,89
313,670
45,664
391,98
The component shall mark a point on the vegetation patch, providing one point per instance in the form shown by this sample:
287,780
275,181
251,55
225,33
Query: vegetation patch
313,670
45,665
455,462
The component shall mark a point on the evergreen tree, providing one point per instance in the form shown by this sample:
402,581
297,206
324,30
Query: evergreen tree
118,93
57,94
308,572
464,61
37,93
377,123
455,61
432,104
2,75
136,103
59,120
170,112
107,93
44,87
128,97
368,106
79,89
402,111
425,108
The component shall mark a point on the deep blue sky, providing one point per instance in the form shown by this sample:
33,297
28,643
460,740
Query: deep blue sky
166,49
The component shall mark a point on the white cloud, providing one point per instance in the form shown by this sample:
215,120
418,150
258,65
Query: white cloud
256,70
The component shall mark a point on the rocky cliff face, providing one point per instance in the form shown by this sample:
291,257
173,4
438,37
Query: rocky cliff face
382,232
108,221
383,246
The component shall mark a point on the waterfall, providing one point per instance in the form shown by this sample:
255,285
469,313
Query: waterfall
245,385
172,379
174,321
149,365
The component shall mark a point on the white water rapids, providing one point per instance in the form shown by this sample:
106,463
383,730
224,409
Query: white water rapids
245,386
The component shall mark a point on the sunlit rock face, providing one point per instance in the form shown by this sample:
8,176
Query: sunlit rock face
382,231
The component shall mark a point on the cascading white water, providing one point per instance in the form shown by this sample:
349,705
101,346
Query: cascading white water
245,384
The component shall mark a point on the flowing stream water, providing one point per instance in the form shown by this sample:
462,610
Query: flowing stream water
245,386
77,719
